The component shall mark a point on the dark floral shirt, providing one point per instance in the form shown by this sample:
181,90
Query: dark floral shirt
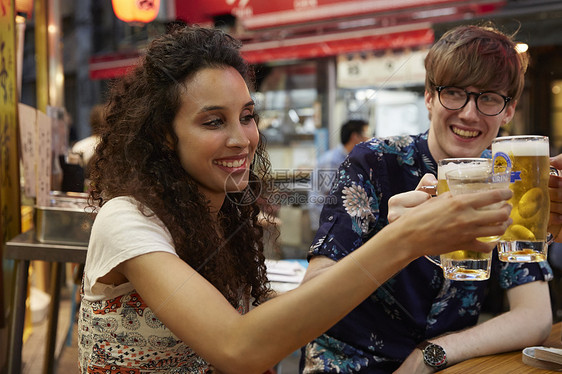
417,303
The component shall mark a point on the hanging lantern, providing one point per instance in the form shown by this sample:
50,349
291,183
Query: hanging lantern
133,11
24,6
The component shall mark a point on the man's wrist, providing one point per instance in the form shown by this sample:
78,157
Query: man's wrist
433,355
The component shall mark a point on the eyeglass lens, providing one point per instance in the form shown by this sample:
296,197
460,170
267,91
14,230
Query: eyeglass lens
454,98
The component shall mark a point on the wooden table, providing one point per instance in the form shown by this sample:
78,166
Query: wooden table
25,248
505,363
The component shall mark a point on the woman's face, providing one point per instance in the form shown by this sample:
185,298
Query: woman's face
217,133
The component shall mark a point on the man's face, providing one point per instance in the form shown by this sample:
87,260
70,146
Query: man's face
464,132
364,135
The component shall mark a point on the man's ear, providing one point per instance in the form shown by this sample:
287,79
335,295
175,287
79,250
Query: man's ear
509,112
428,100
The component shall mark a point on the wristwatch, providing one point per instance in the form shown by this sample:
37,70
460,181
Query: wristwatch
433,355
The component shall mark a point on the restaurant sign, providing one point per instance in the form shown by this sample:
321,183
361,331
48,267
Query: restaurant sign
393,69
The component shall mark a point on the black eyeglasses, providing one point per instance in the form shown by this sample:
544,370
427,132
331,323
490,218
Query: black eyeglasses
488,103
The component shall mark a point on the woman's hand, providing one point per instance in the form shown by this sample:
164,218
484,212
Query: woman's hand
400,203
452,222
555,190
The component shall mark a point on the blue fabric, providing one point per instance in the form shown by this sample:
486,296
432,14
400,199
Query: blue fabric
555,255
417,303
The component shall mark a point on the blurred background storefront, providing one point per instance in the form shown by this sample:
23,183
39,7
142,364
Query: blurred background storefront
318,62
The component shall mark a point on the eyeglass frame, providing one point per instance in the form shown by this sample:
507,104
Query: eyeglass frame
506,99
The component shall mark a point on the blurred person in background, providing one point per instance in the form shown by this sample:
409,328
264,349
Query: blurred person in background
175,257
86,147
352,132
418,307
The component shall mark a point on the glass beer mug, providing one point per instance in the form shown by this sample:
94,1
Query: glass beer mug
525,240
465,175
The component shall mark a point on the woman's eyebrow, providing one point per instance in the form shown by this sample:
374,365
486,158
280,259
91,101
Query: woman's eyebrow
219,107
210,108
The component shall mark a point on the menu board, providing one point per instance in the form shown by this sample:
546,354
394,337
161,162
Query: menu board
28,145
44,158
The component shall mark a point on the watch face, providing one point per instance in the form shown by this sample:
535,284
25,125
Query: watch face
434,355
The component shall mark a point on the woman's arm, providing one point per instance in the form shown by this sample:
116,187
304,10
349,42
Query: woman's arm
199,315
397,206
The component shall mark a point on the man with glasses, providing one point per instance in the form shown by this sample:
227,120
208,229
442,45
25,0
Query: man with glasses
419,322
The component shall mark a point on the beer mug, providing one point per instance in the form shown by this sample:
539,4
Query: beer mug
525,240
467,175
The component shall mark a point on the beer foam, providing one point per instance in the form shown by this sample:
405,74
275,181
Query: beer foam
481,164
521,148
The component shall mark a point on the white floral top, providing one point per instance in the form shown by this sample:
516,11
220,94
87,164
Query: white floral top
123,335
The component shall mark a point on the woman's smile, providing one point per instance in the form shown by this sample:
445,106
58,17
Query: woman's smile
232,164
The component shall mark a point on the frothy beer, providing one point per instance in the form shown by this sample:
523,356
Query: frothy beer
447,165
529,183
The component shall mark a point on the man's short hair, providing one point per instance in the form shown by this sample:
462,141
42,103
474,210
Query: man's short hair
479,56
352,126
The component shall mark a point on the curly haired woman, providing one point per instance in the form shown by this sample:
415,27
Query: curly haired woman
176,256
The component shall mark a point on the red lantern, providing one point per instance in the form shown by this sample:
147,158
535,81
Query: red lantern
136,10
24,6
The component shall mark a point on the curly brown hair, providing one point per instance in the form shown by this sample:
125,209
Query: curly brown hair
134,158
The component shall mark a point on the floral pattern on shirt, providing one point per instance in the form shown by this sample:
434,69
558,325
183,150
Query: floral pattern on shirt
326,352
417,303
358,205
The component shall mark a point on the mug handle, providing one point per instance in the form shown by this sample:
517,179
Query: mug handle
434,259
431,190
549,236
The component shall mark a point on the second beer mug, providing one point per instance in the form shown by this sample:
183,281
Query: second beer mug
526,239
472,174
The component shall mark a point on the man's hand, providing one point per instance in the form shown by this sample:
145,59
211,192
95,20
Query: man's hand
400,203
555,190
